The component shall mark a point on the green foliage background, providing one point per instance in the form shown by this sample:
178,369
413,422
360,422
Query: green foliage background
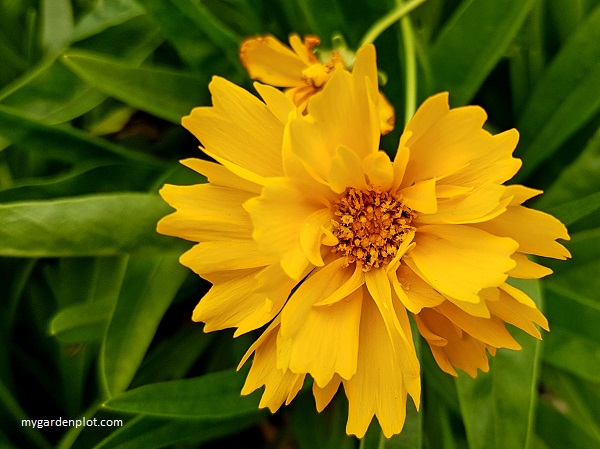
95,308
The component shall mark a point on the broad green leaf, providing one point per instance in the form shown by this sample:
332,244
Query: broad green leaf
53,93
574,353
149,286
215,29
573,312
566,98
174,357
86,178
60,142
181,31
150,433
558,431
166,93
579,179
573,211
57,24
472,43
81,323
580,400
94,225
211,396
105,15
497,407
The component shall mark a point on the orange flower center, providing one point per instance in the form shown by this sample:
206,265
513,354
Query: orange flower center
370,226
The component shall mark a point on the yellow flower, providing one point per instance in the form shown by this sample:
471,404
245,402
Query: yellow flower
306,226
299,70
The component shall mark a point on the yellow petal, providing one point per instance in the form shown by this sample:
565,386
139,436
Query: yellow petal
487,330
534,231
421,196
243,299
340,119
460,351
280,386
346,171
452,141
312,234
521,194
379,287
476,206
204,212
459,260
378,387
224,255
271,62
526,269
494,164
387,115
323,396
355,281
365,77
508,309
414,292
239,131
279,215
218,175
400,162
322,341
279,104
379,170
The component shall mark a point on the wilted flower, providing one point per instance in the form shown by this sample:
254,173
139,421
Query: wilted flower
308,227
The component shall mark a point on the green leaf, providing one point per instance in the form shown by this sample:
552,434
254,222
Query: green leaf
574,353
105,15
57,24
573,211
85,179
60,142
579,401
212,26
472,43
181,31
573,312
566,98
92,225
580,178
151,433
174,357
211,396
148,289
81,323
166,93
498,406
54,94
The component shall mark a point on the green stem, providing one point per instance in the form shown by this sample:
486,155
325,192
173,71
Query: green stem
389,19
410,62
71,435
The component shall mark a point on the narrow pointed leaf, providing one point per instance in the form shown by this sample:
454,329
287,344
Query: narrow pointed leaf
166,93
211,396
472,43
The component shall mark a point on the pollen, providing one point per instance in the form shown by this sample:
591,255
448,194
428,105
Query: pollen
370,226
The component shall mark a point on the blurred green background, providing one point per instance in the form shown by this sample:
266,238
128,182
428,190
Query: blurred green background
95,314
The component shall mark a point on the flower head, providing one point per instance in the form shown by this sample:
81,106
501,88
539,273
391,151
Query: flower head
299,70
307,227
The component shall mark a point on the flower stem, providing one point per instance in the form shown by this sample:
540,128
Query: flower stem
410,63
386,21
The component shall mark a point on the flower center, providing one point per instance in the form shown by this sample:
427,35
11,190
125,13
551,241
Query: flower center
370,226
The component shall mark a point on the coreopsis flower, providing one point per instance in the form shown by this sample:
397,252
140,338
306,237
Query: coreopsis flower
308,228
299,70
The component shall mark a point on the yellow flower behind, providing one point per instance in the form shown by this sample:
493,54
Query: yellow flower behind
299,70
307,227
